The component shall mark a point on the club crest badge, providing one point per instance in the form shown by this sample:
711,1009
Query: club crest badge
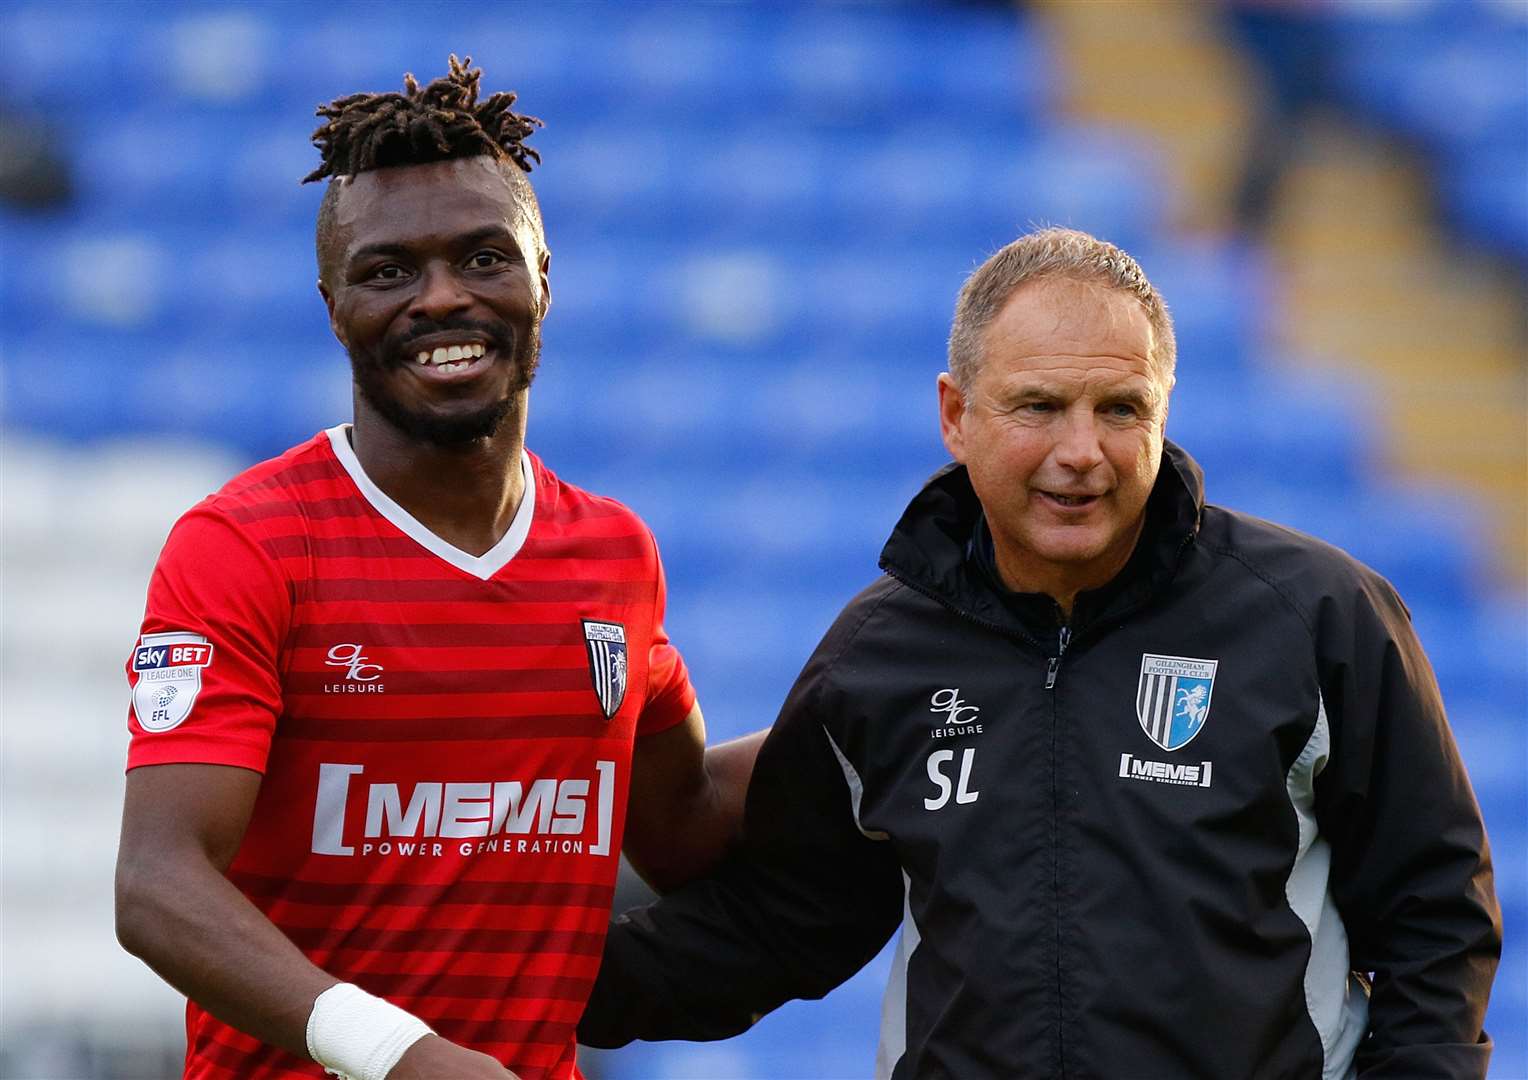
169,668
606,642
1172,699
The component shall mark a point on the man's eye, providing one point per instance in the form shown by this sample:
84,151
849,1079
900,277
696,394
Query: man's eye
388,272
1038,406
484,259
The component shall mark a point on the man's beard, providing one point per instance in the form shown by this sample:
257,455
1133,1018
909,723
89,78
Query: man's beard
447,431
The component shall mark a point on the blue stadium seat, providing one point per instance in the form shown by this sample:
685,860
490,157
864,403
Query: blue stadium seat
1241,429
177,282
1480,654
259,397
1450,77
1217,294
69,54
1412,538
1485,196
184,167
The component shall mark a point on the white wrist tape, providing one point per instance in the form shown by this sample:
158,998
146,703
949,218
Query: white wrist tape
354,1034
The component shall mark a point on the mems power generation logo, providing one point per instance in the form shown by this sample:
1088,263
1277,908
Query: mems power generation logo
433,818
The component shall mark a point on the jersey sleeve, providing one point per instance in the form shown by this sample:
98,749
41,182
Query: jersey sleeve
204,672
806,901
670,697
1411,868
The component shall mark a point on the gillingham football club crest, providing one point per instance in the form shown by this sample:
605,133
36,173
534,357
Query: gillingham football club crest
1172,699
607,663
169,668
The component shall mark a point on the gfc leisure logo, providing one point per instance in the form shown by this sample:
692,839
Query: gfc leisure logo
960,719
361,675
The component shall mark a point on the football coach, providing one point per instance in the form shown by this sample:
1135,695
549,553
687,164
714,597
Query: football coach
1154,789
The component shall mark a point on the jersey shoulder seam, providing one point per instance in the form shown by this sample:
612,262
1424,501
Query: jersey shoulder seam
1267,579
851,636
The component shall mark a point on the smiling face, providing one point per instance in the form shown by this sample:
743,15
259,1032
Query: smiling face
1061,431
435,279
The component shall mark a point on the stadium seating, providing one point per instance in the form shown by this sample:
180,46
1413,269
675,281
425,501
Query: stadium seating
760,216
1450,77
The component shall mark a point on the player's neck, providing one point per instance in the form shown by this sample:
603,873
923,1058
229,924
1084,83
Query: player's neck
465,495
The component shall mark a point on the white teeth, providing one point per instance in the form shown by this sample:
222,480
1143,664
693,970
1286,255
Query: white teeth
450,357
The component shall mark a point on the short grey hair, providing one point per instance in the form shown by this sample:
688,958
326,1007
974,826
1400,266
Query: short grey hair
1055,254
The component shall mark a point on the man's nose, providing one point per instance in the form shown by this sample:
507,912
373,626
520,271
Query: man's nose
441,292
1078,446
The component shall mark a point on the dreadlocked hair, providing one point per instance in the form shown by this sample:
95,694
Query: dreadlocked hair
437,122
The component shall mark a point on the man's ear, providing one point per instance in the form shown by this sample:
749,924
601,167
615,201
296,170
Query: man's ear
323,290
952,409
546,282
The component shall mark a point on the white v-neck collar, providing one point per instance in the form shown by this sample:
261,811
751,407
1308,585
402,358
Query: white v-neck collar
482,566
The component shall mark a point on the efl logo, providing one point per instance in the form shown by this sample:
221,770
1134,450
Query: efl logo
169,668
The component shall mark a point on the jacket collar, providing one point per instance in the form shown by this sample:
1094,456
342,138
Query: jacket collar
941,547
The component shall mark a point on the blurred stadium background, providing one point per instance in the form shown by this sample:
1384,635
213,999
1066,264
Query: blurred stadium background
760,217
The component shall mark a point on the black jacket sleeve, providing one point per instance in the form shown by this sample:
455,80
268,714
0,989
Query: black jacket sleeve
1411,869
807,900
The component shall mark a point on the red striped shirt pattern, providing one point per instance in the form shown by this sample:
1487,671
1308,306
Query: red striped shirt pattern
443,798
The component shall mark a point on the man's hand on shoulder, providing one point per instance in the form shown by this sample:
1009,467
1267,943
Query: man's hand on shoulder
434,1058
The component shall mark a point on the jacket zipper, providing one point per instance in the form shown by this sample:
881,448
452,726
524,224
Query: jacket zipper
1052,668
1053,665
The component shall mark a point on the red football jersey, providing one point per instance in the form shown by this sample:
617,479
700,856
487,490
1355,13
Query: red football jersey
445,739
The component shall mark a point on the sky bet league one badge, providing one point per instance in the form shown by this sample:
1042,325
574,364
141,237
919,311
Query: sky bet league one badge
169,668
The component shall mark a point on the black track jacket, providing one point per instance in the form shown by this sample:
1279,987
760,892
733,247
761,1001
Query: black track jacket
1174,839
